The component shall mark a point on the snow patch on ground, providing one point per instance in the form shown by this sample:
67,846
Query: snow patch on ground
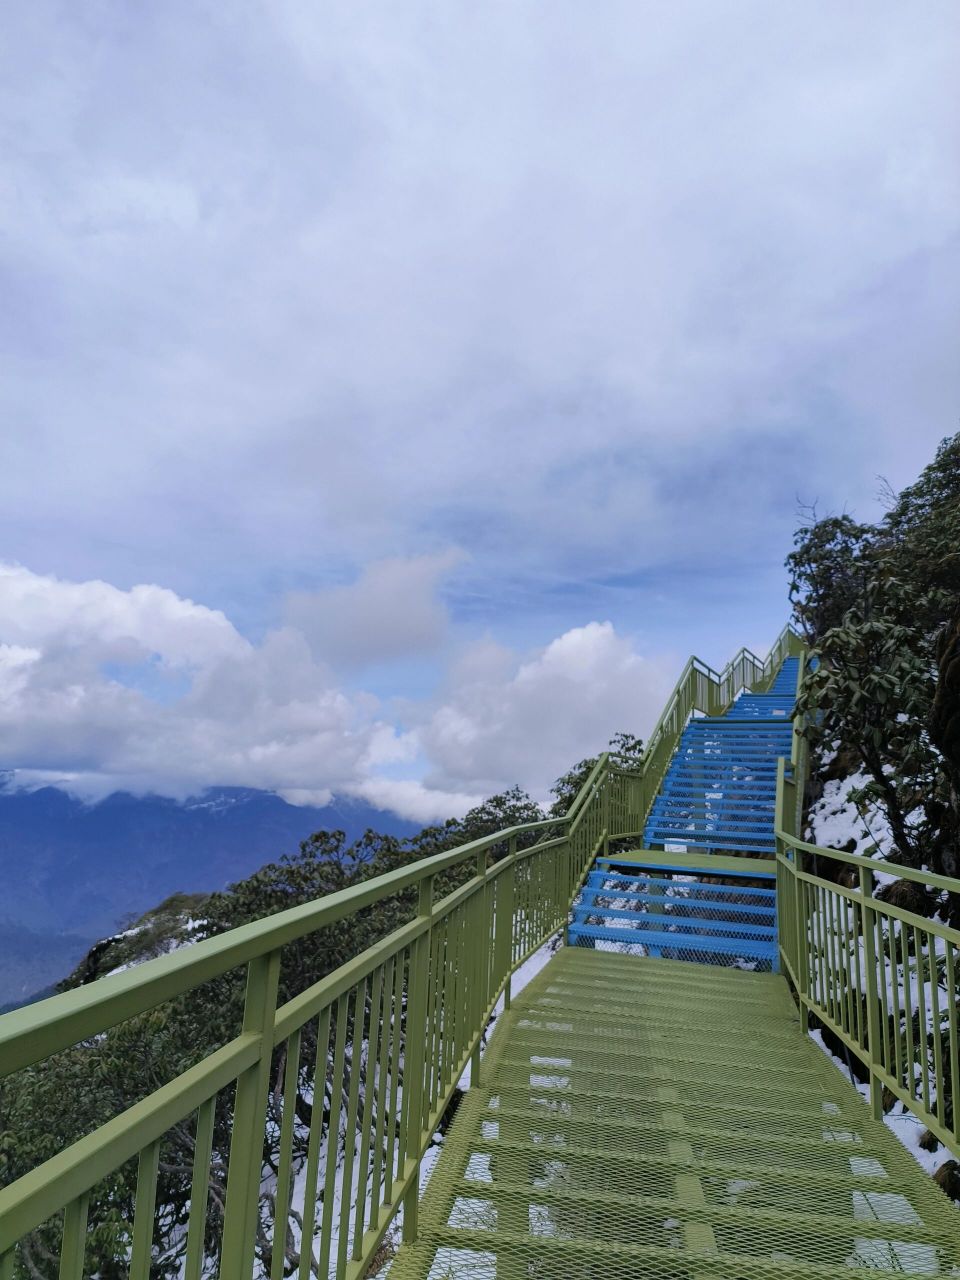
907,1127
835,820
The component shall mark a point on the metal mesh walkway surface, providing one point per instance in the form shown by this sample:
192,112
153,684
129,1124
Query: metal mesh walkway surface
639,1118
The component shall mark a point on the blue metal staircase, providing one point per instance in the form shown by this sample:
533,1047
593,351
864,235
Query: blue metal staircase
718,793
717,801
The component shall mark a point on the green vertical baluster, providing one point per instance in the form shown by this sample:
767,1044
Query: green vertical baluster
442,1049
841,954
953,1038
873,1010
143,1217
830,935
396,1043
413,1059
505,882
463,983
864,920
74,1241
839,961
314,1141
824,999
895,993
380,1133
455,988
281,1212
249,1119
7,1263
886,981
828,962
333,1138
807,976
199,1189
937,1034
851,953
922,1034
432,1094
451,1023
350,1142
815,942
908,1007
480,961
373,1049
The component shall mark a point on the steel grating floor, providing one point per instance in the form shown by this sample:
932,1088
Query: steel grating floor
643,1118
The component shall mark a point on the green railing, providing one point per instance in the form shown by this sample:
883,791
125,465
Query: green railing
883,979
385,1038
702,690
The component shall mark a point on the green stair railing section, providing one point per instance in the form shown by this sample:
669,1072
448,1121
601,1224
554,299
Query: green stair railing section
699,689
882,978
390,1033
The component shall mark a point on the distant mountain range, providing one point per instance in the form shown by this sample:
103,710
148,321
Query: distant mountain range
72,872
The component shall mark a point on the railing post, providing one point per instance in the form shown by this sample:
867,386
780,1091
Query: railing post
413,1063
249,1120
482,966
605,811
505,903
868,917
802,927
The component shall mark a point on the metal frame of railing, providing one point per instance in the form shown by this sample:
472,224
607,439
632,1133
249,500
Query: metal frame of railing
407,1016
883,979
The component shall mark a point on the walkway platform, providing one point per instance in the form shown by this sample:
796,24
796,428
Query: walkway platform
644,1118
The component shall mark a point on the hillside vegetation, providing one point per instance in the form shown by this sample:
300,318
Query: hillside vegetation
880,606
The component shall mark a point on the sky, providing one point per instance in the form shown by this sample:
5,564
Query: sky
393,396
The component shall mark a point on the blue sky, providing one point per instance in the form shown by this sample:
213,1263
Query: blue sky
393,396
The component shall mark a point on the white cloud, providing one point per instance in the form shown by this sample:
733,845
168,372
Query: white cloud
297,294
305,284
391,611
97,617
503,721
80,710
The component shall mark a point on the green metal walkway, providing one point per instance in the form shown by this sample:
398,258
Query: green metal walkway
650,1118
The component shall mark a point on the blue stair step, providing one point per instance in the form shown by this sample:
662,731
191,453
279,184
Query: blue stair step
741,947
589,900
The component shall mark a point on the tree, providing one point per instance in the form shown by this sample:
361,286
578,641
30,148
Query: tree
879,605
626,752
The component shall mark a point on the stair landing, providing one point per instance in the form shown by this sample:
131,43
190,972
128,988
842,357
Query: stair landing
641,1118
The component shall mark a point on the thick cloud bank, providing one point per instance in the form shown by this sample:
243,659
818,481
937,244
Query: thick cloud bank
140,690
292,287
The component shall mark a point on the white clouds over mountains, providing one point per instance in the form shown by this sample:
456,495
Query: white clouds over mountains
103,689
419,339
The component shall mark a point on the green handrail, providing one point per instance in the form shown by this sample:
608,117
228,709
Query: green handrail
883,979
395,1028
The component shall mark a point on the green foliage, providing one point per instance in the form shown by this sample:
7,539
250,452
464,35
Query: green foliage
829,571
879,603
626,752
